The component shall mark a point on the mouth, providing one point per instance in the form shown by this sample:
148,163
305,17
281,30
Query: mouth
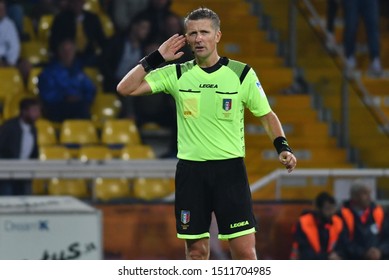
199,48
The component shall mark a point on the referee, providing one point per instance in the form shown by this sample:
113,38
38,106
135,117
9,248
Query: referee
211,93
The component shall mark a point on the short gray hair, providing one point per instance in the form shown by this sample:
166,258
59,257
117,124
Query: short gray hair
204,13
357,186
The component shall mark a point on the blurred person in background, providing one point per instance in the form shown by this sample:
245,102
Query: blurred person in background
156,12
366,223
369,11
18,140
45,7
123,51
65,90
83,27
16,13
158,109
9,39
174,24
320,234
123,12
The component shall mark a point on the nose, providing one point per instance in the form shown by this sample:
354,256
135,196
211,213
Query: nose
198,38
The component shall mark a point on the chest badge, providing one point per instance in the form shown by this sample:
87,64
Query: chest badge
227,104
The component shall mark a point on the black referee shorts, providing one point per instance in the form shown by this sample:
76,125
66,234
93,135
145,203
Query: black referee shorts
219,186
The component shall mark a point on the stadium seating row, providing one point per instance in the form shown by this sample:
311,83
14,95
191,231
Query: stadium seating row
106,189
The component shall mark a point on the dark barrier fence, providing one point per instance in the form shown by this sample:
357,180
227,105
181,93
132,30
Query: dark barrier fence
147,231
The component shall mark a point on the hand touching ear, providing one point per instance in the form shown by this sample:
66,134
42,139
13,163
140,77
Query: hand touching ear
169,48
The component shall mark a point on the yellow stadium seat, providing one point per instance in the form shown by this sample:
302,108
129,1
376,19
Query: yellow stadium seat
39,187
44,27
54,153
151,188
45,133
107,188
137,152
107,25
120,132
11,82
94,153
105,107
11,105
28,28
96,77
93,6
35,52
32,83
78,132
73,187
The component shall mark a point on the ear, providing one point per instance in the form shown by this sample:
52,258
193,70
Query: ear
218,36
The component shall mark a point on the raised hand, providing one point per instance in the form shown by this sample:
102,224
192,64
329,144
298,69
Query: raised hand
169,48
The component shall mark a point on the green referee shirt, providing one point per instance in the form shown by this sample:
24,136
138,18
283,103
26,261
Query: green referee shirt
210,106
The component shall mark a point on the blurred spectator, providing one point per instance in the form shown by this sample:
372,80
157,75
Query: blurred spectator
367,225
45,7
156,12
9,39
18,141
16,13
83,27
65,90
369,11
123,51
158,109
124,11
320,234
173,24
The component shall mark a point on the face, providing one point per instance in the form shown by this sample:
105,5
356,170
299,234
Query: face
31,114
362,198
202,37
67,53
173,25
142,29
77,5
328,210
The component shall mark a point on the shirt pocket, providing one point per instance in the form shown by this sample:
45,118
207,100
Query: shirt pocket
226,105
190,103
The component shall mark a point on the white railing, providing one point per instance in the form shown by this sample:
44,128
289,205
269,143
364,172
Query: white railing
29,169
35,169
279,174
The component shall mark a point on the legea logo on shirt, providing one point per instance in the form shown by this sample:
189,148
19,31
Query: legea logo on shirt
208,86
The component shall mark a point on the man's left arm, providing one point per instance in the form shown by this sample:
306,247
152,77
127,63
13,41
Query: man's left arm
273,127
256,101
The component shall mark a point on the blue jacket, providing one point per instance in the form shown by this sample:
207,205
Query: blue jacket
56,82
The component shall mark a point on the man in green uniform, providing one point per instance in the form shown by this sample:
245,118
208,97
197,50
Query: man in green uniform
211,93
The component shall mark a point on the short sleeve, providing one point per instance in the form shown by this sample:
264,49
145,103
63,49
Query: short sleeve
254,97
162,79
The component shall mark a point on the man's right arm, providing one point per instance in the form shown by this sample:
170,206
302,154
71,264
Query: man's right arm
134,83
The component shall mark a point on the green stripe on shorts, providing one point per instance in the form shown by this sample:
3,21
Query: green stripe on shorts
236,234
193,236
